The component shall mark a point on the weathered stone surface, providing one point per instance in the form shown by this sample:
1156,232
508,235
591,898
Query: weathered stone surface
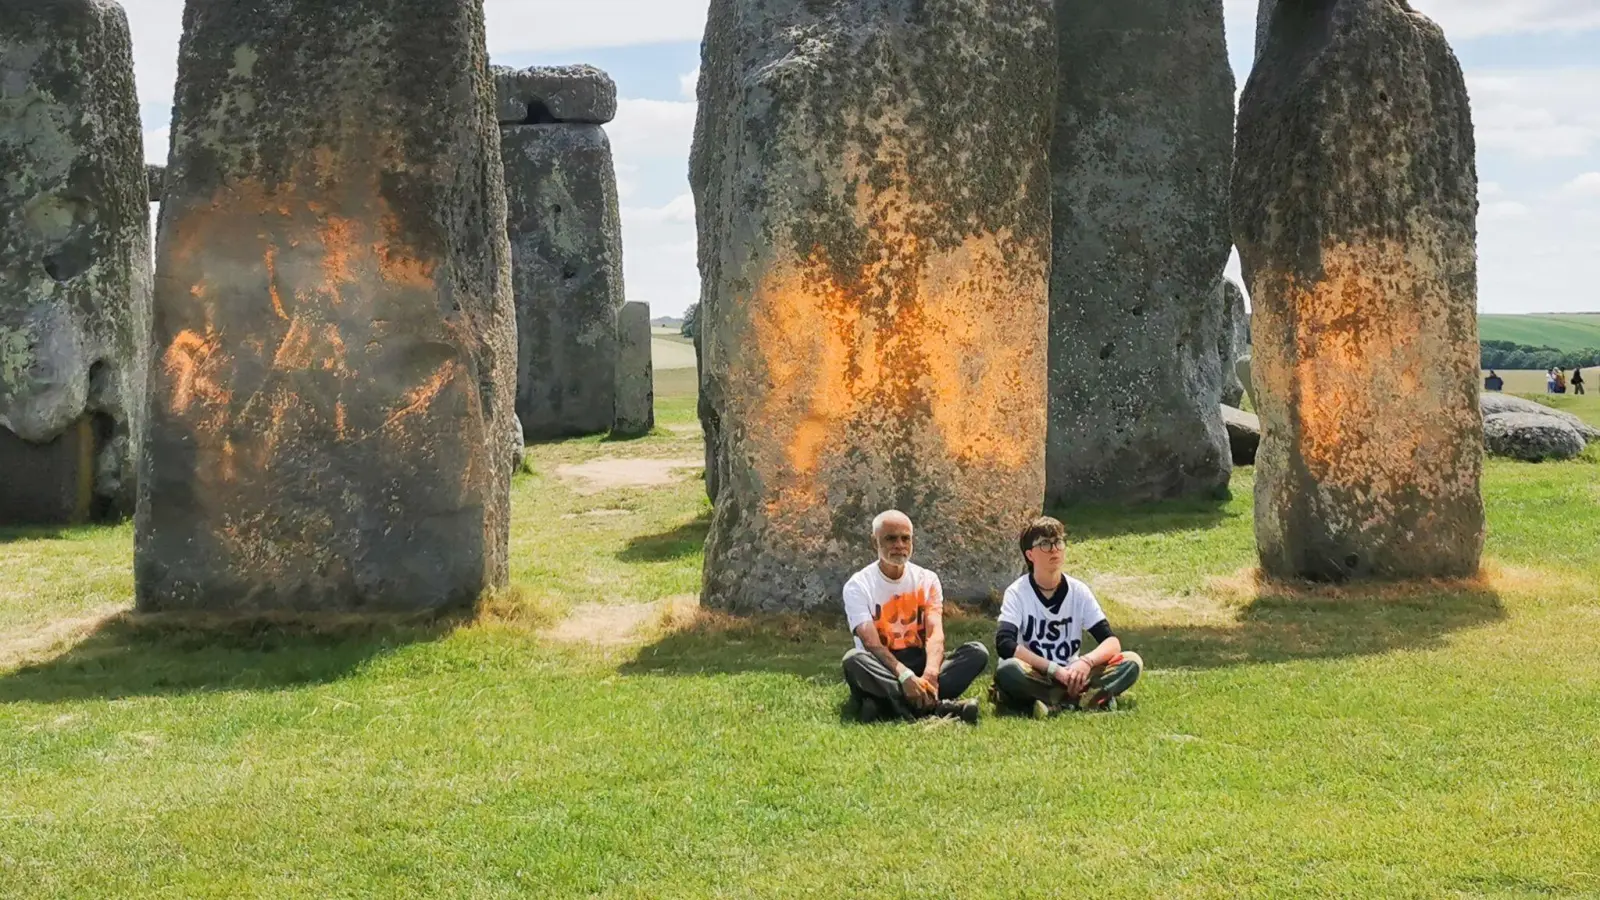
1491,404
74,240
566,266
710,432
50,483
1244,434
157,177
333,393
1241,370
1143,145
636,397
1235,343
545,95
874,242
1263,22
1359,253
1531,437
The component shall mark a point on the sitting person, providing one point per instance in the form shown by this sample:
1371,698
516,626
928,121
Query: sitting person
1493,382
1042,621
896,609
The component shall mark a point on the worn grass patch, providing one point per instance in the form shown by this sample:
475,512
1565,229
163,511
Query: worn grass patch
591,732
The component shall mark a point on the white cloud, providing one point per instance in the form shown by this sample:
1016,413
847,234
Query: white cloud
678,209
1488,190
523,25
652,129
658,256
1465,19
1505,209
1537,114
688,83
155,145
1585,185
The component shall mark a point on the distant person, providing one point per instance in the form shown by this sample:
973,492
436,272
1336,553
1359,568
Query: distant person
898,668
1493,382
1549,381
1561,382
1042,622
1577,381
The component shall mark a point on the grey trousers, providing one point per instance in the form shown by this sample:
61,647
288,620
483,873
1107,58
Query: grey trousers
868,677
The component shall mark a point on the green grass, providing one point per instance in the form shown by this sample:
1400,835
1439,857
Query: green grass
1440,740
1563,331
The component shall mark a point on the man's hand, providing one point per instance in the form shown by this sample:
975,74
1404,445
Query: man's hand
917,694
1075,676
931,681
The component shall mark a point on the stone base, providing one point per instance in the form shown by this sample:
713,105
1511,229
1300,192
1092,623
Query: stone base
48,484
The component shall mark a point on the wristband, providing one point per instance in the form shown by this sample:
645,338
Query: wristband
906,674
1051,672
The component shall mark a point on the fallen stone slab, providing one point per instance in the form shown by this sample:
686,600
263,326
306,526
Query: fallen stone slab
1244,434
1492,403
1530,437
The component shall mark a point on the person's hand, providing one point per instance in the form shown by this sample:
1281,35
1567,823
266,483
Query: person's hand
916,693
1074,677
930,680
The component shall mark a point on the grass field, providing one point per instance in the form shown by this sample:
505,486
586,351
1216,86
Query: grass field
1440,740
1565,331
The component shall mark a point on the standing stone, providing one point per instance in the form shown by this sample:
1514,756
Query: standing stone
874,225
74,261
1263,23
334,384
1235,343
566,245
1360,258
636,399
1143,146
157,176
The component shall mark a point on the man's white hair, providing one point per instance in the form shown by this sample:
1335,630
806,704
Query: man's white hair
881,519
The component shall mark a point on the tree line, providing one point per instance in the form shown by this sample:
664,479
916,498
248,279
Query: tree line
1511,355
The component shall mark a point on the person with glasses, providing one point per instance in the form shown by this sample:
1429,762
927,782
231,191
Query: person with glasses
1043,618
898,668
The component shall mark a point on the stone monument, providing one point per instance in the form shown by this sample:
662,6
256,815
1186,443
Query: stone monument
1360,257
566,245
74,262
636,409
334,376
874,234
1235,342
1142,150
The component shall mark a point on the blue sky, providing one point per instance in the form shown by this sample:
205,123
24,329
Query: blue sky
1533,68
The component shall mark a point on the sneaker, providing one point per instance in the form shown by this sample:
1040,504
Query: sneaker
965,710
869,711
1041,710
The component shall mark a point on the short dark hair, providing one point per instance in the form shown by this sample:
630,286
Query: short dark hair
1042,527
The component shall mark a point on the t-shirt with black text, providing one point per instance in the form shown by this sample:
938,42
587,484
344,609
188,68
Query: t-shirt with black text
1056,636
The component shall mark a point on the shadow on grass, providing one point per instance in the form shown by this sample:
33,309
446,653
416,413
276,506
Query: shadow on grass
1280,625
1097,521
685,540
127,655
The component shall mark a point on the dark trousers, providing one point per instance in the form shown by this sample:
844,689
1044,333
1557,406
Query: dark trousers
866,676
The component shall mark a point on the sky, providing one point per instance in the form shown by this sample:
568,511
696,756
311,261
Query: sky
1532,67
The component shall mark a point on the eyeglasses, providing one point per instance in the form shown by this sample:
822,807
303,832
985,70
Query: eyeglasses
1049,544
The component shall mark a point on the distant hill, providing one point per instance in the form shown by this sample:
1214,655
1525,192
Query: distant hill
1563,331
667,322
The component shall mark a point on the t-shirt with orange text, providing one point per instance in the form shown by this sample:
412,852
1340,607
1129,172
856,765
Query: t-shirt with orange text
897,608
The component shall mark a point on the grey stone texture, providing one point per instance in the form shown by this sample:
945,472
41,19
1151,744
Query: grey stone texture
157,177
874,219
1235,343
335,339
50,483
74,246
566,265
1360,258
548,95
1244,434
1493,403
1241,371
636,398
1263,23
1531,437
1142,149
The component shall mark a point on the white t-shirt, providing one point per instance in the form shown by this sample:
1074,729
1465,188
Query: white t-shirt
1056,636
898,608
